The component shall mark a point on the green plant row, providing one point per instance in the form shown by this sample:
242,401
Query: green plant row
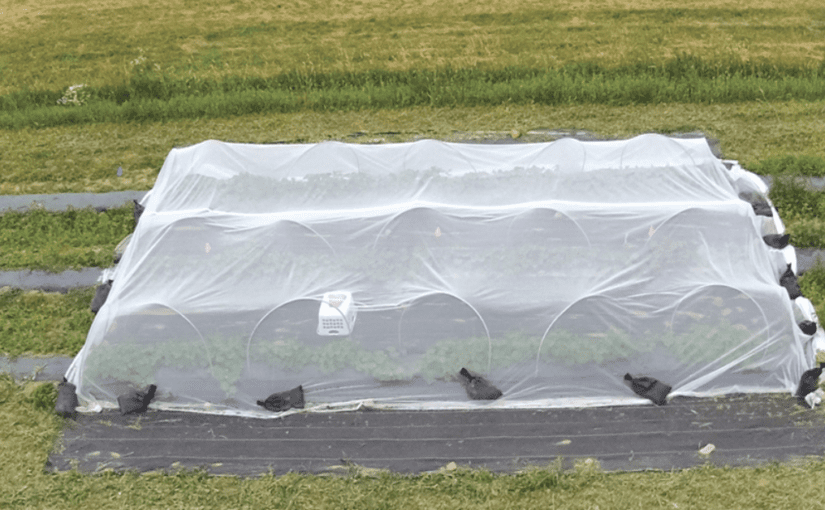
38,323
137,360
151,96
790,165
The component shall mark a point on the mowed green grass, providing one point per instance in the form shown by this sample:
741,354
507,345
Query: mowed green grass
210,60
49,45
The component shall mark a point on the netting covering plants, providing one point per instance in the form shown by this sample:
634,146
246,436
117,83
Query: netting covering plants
373,274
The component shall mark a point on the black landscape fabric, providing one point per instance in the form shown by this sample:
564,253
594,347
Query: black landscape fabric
746,430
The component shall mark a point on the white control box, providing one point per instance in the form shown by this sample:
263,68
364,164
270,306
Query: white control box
336,317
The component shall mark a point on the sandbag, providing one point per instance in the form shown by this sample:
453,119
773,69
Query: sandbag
101,294
808,383
789,281
284,400
67,402
808,327
649,388
136,401
762,209
477,387
138,211
777,241
761,206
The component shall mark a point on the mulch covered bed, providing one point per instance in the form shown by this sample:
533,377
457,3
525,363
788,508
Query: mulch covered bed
743,429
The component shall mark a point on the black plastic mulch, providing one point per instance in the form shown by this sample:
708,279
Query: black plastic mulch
745,430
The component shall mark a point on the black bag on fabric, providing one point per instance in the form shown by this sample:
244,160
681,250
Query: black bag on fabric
66,399
788,280
777,241
285,400
136,401
101,294
809,381
762,209
760,204
138,211
808,327
649,388
477,387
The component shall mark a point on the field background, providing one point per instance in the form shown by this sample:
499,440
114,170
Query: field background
51,45
160,76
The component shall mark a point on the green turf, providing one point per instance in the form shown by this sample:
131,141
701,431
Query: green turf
108,43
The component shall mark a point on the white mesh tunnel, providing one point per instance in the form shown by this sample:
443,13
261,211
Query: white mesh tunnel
551,269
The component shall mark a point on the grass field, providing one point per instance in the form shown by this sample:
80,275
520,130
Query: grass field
306,71
96,42
160,76
195,60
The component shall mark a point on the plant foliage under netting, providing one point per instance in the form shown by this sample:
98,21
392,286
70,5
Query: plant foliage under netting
225,359
380,272
252,193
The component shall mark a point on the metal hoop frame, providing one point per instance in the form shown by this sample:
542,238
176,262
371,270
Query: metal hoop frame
450,294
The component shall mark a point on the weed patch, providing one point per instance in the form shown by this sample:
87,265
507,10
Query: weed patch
812,284
35,323
796,200
812,166
57,241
